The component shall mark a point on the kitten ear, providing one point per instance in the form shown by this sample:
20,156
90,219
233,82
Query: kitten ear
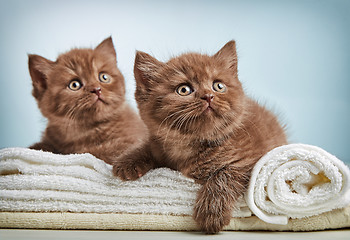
146,68
228,54
106,48
39,68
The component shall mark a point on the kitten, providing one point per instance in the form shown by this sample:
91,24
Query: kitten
202,124
82,94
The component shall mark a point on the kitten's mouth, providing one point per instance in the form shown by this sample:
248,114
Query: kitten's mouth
208,108
100,99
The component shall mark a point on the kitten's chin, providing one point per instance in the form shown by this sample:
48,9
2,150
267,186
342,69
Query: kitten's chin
209,111
97,110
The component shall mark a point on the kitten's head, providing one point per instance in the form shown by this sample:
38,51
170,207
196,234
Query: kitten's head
82,84
193,93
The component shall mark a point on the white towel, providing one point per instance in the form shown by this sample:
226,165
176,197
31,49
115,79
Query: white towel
36,181
297,181
292,181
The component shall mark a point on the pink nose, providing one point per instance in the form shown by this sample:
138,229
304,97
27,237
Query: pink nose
208,97
97,91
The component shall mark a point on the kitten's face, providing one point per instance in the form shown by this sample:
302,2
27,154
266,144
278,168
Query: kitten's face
193,93
83,84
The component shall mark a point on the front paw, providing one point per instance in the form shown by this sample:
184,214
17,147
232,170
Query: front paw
130,170
210,222
212,210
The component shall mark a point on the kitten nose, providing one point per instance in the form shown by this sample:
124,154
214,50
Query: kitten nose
97,91
208,97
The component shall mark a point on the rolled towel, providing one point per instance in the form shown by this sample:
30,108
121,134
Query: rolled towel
296,181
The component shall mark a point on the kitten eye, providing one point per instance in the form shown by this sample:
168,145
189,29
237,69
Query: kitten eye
219,86
75,85
104,77
184,90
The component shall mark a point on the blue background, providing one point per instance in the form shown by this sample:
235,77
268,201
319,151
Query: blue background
294,56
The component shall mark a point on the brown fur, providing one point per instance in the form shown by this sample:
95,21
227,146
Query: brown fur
78,121
217,147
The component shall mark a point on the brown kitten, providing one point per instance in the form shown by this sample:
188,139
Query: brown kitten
82,96
202,124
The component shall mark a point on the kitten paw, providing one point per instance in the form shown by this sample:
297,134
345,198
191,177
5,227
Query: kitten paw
127,171
212,210
210,223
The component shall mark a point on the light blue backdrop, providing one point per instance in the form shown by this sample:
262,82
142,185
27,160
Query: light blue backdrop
293,55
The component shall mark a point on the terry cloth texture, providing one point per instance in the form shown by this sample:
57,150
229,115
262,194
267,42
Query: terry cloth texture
339,218
297,181
36,181
45,190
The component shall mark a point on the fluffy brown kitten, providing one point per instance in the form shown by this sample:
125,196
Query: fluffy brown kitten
82,96
202,124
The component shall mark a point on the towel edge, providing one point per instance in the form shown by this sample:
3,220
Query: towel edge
336,219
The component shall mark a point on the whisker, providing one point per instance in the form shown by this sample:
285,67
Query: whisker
181,117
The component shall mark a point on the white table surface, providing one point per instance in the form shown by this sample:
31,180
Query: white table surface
9,234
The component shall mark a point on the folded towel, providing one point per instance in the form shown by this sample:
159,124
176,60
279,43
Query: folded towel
297,181
292,181
339,218
36,181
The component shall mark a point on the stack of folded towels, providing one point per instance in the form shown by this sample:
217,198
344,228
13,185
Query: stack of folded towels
288,184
